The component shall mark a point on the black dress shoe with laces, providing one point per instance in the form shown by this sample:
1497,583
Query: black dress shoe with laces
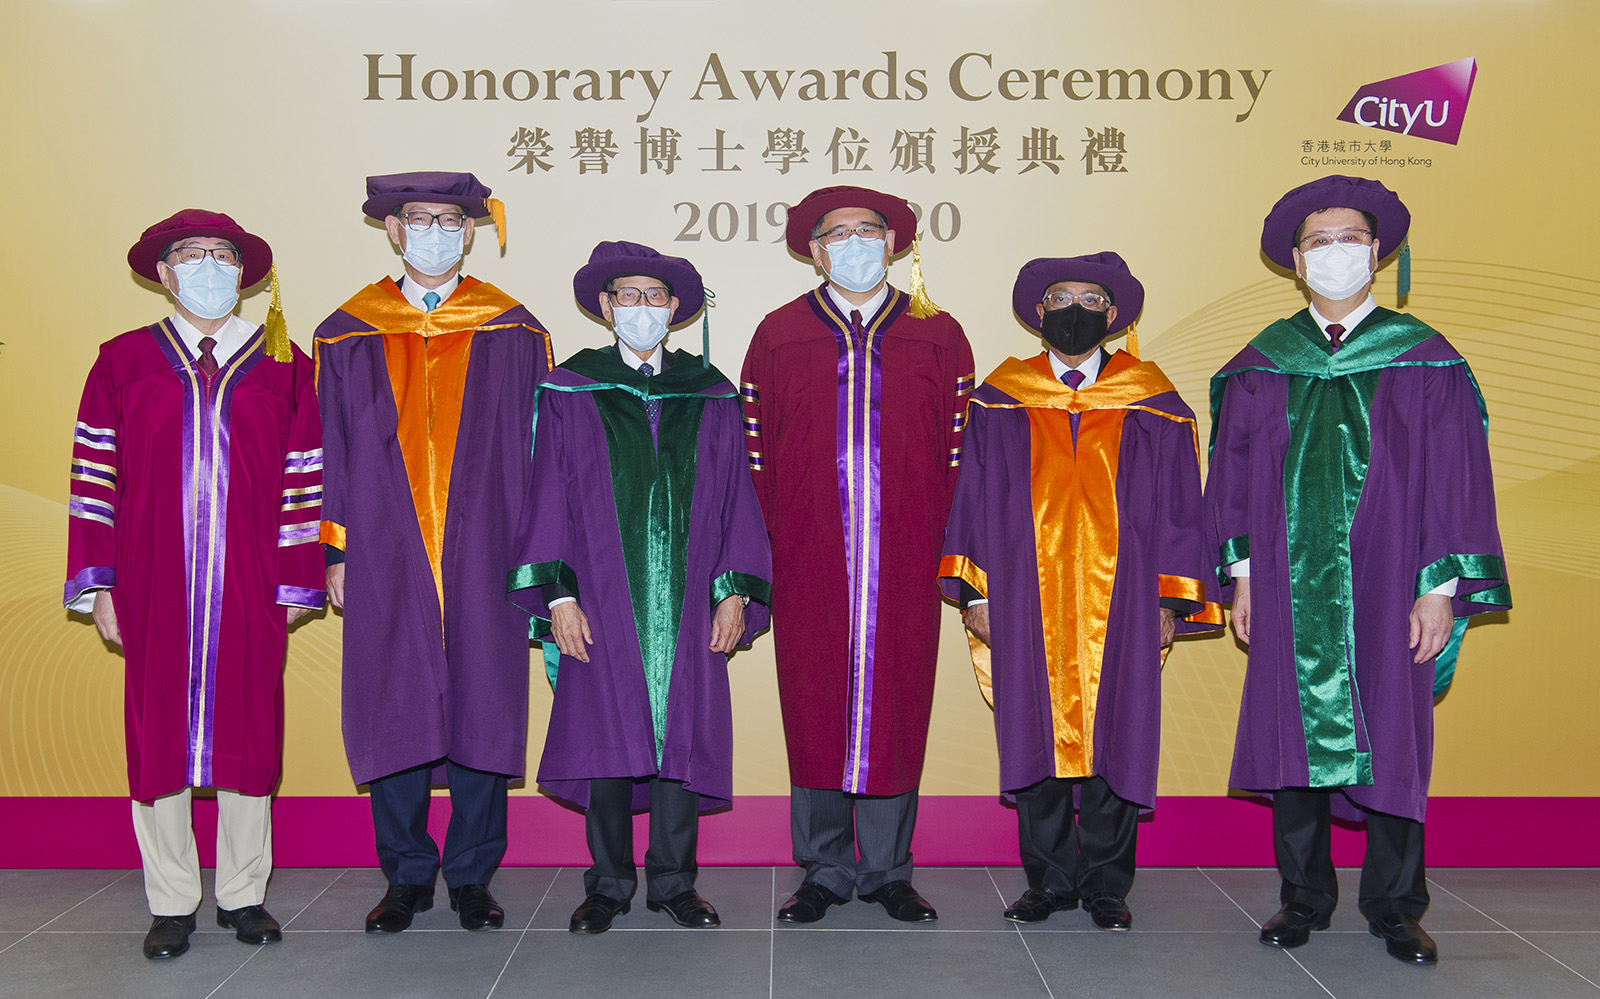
476,907
596,913
1291,925
902,902
400,903
1405,939
1036,905
809,903
1109,912
168,936
251,924
687,909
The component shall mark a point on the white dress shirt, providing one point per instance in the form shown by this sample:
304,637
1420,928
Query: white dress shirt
1090,368
230,336
868,310
414,291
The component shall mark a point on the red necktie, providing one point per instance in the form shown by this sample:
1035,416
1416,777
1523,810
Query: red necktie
855,321
208,362
1335,331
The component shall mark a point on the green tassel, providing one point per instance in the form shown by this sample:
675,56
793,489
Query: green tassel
1404,277
705,328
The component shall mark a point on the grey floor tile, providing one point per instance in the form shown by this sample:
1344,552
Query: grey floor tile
1157,964
1479,965
1578,951
661,963
357,965
965,898
33,898
949,965
1527,899
111,964
6,940
1256,889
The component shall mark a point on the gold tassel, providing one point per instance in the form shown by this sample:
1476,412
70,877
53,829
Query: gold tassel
921,305
276,342
1133,339
497,212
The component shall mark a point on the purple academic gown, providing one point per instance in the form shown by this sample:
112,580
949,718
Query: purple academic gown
1154,514
600,722
1428,494
419,685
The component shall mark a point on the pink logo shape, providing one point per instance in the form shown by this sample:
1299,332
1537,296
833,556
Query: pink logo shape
1429,103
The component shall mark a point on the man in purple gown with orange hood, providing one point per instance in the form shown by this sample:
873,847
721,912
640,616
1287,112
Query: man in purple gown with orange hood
426,387
1351,506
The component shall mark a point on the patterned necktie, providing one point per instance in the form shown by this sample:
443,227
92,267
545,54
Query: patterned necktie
1073,378
430,301
652,405
1335,331
208,361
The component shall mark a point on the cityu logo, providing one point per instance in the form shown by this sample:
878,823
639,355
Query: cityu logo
1429,103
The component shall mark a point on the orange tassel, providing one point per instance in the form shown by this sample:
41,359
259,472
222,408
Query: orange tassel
276,342
921,305
497,212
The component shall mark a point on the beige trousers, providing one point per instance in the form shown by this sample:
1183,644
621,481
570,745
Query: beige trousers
165,831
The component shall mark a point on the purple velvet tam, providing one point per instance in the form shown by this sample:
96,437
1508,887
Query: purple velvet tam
803,217
1105,269
255,254
620,259
1334,191
388,192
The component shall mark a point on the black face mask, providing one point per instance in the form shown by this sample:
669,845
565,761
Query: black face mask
1074,330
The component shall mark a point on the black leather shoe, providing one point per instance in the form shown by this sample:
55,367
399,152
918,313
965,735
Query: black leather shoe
1291,925
902,902
808,904
596,913
399,904
1109,912
168,936
1036,905
251,924
1405,939
477,907
687,909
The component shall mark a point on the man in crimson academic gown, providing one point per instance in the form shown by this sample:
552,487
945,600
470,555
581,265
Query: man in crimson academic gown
426,390
1078,582
1352,505
196,482
854,400
649,565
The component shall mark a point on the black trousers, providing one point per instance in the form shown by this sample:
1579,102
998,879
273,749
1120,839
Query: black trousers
852,842
474,842
669,862
1077,852
1393,874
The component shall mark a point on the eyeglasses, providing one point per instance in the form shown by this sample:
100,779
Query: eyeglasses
227,256
866,230
654,295
1091,300
448,221
1349,237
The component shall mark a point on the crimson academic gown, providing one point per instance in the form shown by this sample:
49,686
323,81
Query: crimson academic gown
854,443
197,505
428,423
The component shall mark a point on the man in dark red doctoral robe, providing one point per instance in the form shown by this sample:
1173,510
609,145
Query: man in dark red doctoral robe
426,387
196,487
854,399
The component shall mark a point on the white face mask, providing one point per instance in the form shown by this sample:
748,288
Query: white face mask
206,288
432,250
1338,270
856,264
640,326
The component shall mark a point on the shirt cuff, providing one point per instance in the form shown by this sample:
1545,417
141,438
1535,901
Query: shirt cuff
1240,568
558,601
1446,588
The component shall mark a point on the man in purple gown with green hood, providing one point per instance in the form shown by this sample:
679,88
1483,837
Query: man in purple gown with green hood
649,564
1352,507
426,386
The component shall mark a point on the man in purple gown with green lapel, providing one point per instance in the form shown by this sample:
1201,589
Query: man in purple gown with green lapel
1352,507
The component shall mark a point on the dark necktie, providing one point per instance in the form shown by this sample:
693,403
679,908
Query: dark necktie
208,361
1073,378
430,301
652,405
1335,332
855,323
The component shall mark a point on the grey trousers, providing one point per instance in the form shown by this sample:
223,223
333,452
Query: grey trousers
852,842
